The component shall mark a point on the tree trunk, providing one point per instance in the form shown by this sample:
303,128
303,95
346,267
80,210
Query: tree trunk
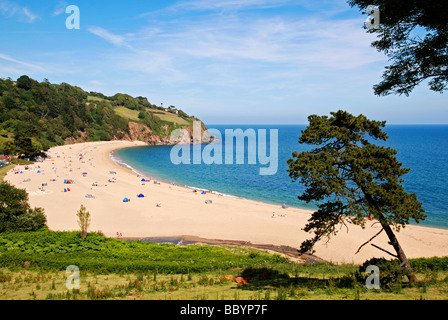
400,253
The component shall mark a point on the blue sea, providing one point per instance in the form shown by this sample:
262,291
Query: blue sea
422,148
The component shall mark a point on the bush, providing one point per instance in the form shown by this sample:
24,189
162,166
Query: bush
15,212
434,263
390,271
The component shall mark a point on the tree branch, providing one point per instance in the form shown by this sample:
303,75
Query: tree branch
369,240
393,255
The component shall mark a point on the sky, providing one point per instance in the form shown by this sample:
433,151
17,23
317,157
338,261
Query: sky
223,61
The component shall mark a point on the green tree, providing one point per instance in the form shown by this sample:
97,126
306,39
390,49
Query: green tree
9,147
16,214
142,115
352,178
83,221
26,145
24,82
414,35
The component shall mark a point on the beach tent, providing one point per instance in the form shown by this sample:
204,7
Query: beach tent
141,195
143,180
125,200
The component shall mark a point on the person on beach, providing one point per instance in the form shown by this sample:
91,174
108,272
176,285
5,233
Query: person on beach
158,204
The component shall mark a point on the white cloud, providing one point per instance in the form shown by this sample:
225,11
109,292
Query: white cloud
227,4
109,37
60,8
12,9
252,54
31,17
28,65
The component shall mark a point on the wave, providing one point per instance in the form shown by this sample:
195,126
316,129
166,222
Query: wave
122,163
213,192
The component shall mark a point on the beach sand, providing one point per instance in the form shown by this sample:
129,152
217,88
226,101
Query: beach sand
184,212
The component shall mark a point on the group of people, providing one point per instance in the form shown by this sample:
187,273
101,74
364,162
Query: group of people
284,206
278,215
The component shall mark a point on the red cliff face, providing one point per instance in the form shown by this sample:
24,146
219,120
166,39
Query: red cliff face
140,132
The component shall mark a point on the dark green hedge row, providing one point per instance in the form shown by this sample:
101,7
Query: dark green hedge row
434,263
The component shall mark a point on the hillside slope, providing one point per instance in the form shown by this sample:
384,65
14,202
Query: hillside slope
35,116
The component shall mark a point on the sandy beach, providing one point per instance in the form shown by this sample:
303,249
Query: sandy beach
184,212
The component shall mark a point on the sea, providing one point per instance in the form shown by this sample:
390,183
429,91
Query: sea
422,148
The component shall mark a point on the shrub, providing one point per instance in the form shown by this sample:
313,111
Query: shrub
390,271
434,263
16,214
83,221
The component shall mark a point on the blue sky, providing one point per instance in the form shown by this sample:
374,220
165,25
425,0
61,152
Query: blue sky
224,61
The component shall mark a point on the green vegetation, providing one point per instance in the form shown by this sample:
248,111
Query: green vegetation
416,56
57,250
352,179
15,211
83,221
173,117
33,264
35,116
127,113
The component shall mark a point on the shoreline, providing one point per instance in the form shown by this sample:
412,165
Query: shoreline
155,177
184,212
126,166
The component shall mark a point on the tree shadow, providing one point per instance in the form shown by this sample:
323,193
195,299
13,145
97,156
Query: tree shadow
265,278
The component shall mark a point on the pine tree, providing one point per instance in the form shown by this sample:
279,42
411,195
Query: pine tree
352,178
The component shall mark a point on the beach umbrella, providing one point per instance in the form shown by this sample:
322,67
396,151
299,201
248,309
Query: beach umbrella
141,195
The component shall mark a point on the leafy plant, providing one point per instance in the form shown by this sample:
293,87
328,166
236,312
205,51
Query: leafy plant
83,221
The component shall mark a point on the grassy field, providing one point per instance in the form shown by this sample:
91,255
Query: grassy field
162,115
127,113
93,99
303,282
32,266
171,117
